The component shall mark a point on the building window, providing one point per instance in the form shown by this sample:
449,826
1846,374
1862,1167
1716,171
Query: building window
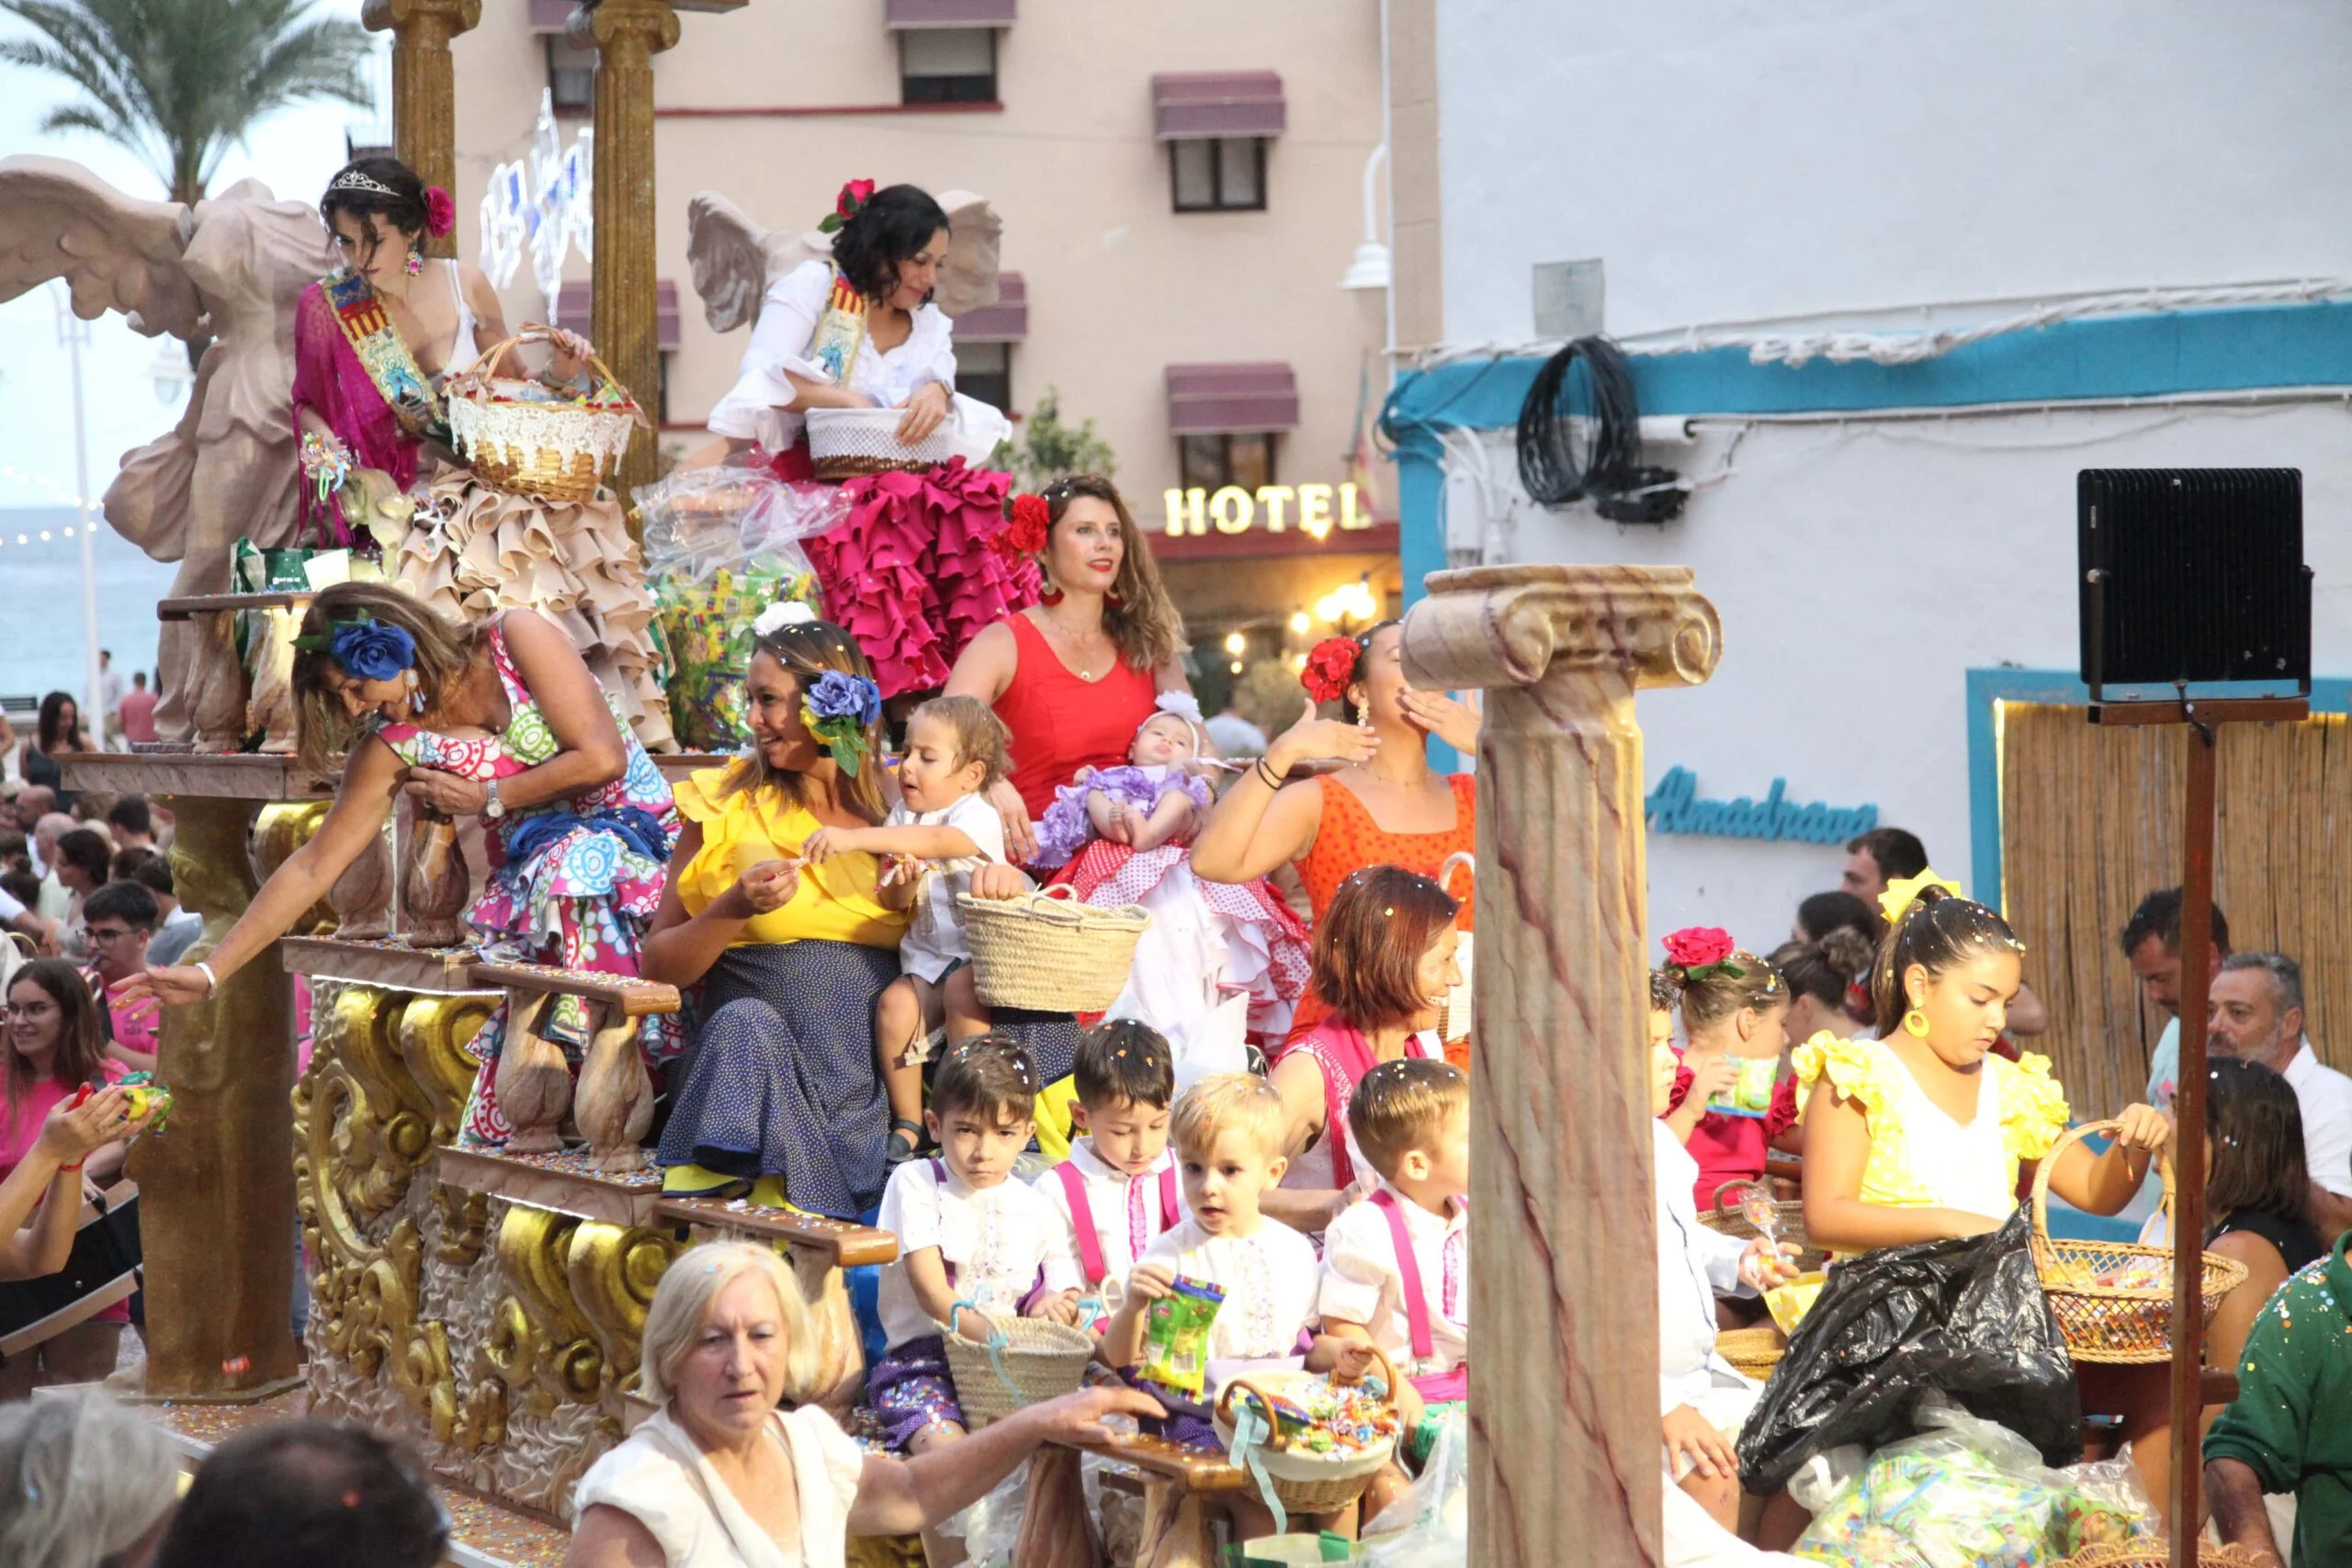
984,371
1223,174
572,75
1212,462
947,65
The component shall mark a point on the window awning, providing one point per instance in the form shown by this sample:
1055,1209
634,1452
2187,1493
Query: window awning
571,312
905,13
551,15
1215,399
1217,103
1007,321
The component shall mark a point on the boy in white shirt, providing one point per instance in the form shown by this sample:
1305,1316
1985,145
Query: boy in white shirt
956,751
1396,1265
1118,1191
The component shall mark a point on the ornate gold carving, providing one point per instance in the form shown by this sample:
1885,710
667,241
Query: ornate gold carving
612,1272
465,1225
1511,626
432,1035
538,1342
278,831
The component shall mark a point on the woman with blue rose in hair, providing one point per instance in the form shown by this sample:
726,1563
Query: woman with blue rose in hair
502,721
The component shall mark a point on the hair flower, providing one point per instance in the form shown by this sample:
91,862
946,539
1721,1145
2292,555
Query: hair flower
1331,668
1702,950
837,709
781,614
440,211
1904,891
1029,520
853,194
366,648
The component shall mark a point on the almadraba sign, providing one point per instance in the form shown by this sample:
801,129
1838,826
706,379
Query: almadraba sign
1674,806
1274,508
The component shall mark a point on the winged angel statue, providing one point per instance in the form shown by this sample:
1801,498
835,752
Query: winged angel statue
232,267
734,259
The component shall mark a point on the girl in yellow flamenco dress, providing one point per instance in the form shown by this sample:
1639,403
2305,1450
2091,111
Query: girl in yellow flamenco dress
1924,1133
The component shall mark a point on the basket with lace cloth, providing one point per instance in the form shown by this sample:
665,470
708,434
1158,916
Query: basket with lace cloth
844,443
526,438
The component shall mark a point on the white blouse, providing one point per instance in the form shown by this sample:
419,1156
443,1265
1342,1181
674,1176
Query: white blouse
1126,1215
661,1478
759,406
1269,1276
993,1240
1362,1282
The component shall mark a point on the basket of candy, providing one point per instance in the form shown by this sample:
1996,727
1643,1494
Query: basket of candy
527,439
2113,1300
1326,1439
1049,952
1022,1361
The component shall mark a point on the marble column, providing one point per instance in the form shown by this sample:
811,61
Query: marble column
425,88
623,298
217,1185
1563,1416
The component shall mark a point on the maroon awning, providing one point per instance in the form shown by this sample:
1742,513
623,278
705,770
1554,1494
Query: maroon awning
1007,321
948,13
571,312
550,16
1211,400
1217,103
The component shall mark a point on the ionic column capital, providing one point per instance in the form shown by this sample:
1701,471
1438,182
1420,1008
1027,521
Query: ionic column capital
445,18
1513,626
624,27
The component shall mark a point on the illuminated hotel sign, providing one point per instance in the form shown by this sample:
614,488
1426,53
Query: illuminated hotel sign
1274,509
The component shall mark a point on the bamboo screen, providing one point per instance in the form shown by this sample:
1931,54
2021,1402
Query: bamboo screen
2090,824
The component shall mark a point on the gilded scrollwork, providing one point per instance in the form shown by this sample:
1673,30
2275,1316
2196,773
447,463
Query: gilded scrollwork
538,1340
432,1037
613,1271
465,1225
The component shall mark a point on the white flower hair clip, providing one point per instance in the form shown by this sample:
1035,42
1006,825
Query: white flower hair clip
781,614
1183,704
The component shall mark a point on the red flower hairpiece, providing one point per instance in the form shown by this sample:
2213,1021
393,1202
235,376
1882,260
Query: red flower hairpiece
1330,668
1024,535
440,211
1701,951
853,194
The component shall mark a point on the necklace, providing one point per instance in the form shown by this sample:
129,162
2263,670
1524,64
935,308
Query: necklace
1076,640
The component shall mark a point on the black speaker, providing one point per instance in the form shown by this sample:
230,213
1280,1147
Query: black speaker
2193,575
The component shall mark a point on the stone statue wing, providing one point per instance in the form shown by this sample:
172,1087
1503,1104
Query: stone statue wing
733,258
969,280
115,251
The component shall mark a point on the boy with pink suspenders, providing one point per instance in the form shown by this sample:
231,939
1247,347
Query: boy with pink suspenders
1118,1190
1396,1266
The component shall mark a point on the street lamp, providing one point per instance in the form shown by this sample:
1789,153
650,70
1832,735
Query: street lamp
1236,643
1369,269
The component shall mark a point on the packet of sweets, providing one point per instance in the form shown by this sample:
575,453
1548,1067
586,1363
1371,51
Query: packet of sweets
145,1095
1176,1337
1751,1093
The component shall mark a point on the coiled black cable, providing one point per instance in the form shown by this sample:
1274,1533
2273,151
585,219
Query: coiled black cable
1550,467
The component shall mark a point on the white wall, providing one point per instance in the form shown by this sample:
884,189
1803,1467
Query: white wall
1860,570
1731,159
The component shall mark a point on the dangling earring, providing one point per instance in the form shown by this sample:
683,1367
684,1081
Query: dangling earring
1915,1024
1048,594
415,263
415,694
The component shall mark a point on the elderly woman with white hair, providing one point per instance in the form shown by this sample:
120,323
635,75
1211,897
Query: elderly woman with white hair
83,1483
719,1477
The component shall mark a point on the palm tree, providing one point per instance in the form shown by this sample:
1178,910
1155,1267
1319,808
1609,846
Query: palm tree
176,82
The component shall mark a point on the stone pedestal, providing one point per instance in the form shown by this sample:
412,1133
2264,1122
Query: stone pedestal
425,88
623,300
1564,1417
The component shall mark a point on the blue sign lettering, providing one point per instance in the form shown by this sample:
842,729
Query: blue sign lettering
1674,806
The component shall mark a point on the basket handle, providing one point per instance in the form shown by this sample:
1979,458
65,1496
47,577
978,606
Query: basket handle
1274,1439
995,1344
2049,1162
531,332
1461,859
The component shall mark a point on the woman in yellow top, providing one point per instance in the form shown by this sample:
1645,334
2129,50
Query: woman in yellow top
779,1091
1922,1135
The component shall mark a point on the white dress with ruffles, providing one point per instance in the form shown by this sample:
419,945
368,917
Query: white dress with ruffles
759,406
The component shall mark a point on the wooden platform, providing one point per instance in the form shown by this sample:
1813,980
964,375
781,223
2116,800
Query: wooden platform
218,776
192,605
441,969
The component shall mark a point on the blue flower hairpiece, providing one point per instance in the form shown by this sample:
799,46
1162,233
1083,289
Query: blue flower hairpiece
838,708
366,648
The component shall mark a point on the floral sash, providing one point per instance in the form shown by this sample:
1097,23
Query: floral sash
839,331
384,354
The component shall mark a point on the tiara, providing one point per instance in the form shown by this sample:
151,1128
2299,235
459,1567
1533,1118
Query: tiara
351,179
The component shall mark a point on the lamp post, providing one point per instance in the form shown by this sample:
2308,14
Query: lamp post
73,331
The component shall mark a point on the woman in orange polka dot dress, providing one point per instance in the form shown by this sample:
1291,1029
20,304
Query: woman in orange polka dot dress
1386,807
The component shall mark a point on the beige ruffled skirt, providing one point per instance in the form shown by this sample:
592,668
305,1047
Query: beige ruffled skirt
471,551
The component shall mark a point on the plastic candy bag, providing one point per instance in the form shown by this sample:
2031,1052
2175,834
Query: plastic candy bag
1176,1337
1966,1317
2102,1505
1751,1094
1428,1524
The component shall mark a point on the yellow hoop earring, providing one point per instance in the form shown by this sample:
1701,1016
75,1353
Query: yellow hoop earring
1915,1024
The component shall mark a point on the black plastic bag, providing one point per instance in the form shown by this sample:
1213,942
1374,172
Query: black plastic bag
1965,1317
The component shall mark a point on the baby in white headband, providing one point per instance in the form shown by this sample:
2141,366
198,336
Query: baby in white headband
1159,797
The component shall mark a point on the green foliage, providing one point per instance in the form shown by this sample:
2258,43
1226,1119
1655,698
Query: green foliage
176,82
1049,448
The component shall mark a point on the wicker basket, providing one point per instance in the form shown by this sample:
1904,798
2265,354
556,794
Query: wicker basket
1036,1360
2113,1324
844,443
527,439
1308,1482
1047,952
2154,1551
1726,1218
1755,1351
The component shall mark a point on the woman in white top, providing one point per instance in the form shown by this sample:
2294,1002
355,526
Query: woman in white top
720,1478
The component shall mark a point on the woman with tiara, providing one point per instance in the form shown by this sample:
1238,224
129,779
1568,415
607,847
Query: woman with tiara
375,342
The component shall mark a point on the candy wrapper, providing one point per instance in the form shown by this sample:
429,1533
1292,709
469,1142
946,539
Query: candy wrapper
147,1095
1751,1094
721,545
1176,1337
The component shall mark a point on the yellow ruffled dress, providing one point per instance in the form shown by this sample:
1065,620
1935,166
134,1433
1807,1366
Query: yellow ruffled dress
743,826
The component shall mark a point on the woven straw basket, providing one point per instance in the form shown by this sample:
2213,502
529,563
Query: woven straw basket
844,443
2154,1551
1755,1351
1036,1360
2112,1324
524,439
1308,1482
1050,953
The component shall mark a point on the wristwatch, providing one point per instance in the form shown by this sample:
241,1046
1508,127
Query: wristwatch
493,807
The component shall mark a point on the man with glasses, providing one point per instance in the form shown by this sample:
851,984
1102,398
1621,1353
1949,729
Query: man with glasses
118,920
